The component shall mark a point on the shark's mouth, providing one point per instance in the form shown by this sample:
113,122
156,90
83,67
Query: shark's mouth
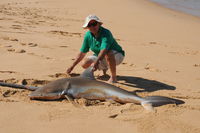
49,96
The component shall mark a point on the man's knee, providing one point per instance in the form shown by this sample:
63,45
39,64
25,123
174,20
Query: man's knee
109,55
86,63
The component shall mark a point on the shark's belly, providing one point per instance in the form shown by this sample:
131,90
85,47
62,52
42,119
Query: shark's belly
98,92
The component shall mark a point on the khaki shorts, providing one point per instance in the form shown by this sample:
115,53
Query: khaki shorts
103,64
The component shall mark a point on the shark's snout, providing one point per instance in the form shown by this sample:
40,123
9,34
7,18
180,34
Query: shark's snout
44,96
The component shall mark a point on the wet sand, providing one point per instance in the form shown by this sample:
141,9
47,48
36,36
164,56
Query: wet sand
191,7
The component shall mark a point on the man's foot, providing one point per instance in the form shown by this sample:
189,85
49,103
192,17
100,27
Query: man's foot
104,72
104,76
112,80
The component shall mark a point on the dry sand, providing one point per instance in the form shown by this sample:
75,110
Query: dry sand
40,39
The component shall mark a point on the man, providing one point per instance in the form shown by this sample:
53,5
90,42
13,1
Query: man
107,52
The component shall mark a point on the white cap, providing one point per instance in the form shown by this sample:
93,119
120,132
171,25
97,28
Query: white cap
89,18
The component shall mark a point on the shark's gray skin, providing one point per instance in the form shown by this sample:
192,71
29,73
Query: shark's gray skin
85,86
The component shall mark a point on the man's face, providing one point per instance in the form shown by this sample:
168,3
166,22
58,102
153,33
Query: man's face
93,26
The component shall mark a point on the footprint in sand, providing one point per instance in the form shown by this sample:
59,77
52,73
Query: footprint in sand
113,116
12,80
59,75
151,68
20,51
8,100
32,44
40,56
34,82
16,27
6,38
65,33
124,63
16,51
132,65
14,39
64,46
196,65
29,44
129,64
23,44
11,50
8,72
9,93
154,43
182,53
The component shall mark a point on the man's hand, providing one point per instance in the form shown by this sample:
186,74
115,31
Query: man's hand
69,70
100,57
79,57
95,66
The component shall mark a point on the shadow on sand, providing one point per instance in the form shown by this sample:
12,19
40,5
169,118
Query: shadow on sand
144,85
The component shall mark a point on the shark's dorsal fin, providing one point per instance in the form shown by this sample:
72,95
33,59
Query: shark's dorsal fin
88,73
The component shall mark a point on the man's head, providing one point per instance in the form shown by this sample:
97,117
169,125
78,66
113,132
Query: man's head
92,22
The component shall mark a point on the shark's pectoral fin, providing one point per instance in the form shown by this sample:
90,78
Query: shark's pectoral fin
69,98
65,92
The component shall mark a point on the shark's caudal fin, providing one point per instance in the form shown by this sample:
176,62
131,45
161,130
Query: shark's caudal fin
88,73
32,88
154,101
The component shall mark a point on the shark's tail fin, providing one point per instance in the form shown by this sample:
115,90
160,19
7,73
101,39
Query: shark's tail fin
154,101
31,88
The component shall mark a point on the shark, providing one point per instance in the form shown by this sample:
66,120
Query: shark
87,87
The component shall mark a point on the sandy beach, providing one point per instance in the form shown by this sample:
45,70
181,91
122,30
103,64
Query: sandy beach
39,39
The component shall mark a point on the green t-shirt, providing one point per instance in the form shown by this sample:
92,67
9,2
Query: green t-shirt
105,40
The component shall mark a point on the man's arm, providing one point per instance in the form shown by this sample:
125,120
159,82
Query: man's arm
79,57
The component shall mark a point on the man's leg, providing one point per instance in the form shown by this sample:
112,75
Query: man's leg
104,72
87,63
110,58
